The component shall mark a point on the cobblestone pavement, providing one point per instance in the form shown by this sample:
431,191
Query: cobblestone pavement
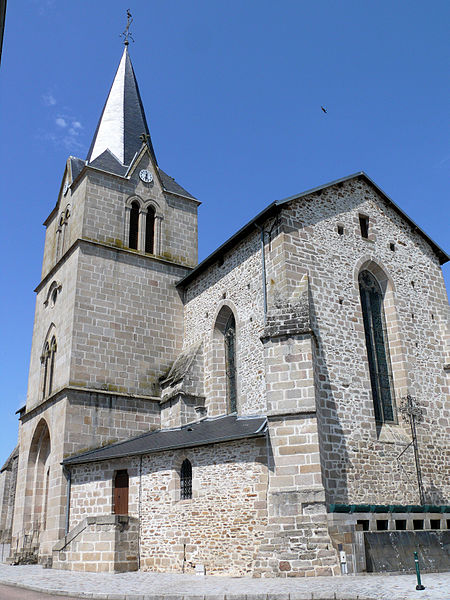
165,586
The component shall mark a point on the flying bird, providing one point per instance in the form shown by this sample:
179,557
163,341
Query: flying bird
324,109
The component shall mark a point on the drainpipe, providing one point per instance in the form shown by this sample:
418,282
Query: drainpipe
263,269
139,513
68,474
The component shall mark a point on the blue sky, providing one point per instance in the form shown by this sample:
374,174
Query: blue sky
232,92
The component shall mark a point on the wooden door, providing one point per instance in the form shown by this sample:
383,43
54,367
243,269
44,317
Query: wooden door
121,493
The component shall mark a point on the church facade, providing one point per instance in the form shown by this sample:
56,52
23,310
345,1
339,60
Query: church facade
256,414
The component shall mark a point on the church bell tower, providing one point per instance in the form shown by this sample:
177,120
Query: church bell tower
108,320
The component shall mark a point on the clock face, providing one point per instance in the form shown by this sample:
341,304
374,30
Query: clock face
146,176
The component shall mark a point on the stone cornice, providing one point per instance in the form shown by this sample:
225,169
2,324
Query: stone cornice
81,241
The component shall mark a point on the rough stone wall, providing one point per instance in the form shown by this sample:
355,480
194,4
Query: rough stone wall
237,284
92,489
358,459
8,479
226,516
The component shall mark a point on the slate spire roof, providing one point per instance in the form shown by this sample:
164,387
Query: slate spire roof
122,121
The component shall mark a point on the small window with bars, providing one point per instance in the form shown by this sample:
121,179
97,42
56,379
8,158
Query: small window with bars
186,480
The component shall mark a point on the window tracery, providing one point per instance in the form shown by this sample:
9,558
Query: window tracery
377,347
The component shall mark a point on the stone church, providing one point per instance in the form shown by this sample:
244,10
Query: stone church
267,412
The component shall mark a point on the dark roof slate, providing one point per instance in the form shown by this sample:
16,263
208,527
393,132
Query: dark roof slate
9,461
201,433
76,166
108,162
171,185
132,119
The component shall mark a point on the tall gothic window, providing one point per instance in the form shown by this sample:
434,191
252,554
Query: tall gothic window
52,365
377,347
134,226
150,230
186,480
230,362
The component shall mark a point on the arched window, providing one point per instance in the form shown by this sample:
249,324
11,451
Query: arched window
377,347
186,480
45,361
48,362
52,364
134,226
230,362
121,487
150,230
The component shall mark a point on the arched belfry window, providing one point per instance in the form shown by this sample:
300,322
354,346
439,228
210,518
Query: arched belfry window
186,480
150,230
230,362
377,347
134,226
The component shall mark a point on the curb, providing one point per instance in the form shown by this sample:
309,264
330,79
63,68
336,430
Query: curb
99,596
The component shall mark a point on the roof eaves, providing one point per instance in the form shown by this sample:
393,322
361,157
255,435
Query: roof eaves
89,455
259,433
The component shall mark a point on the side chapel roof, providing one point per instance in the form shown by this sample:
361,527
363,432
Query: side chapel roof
201,433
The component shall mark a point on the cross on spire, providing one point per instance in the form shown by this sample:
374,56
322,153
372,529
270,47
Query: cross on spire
126,32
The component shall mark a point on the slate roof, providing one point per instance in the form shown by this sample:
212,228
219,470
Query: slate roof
9,461
274,207
182,364
117,139
204,432
122,121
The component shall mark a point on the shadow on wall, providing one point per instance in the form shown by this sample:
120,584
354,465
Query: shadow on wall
334,455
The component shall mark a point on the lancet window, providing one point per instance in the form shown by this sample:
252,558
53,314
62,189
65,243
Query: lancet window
230,362
48,362
141,231
377,347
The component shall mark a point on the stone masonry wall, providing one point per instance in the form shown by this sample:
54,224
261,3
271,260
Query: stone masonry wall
358,458
128,321
98,545
236,284
106,216
226,516
53,318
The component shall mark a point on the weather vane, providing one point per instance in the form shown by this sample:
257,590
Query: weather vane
126,32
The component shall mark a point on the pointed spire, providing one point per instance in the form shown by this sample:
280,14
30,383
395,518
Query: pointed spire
123,119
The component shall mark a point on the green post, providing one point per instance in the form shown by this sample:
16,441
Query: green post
419,585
